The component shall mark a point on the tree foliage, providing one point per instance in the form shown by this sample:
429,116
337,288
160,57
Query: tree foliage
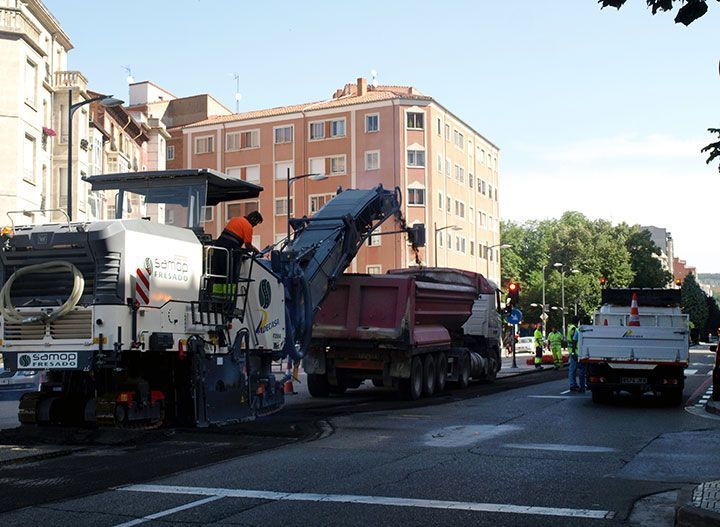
694,303
624,255
713,320
689,11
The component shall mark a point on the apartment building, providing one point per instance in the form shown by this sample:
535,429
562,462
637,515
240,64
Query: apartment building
362,136
33,53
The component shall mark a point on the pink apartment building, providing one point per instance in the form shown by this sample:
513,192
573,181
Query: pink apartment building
363,136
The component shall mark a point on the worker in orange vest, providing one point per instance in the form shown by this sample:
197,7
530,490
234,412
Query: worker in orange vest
238,232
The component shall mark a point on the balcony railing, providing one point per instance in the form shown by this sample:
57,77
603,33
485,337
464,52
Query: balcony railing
14,21
70,79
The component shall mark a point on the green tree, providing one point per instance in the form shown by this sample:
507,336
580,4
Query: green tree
646,265
695,305
713,319
689,11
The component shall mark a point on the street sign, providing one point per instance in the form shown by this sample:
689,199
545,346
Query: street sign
515,316
544,317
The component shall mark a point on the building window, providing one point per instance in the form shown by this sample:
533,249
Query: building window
439,163
462,245
416,158
234,172
447,168
317,130
416,120
496,194
337,165
373,269
170,152
250,139
375,240
482,156
416,196
317,165
460,174
372,122
283,168
29,159
337,128
438,126
252,173
283,134
440,200
449,204
458,139
440,240
207,214
233,210
447,132
459,209
490,191
203,145
372,160
471,181
483,187
457,243
232,141
30,82
317,201
472,248
281,206
471,215
449,241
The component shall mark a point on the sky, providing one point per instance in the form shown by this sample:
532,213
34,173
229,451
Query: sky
600,111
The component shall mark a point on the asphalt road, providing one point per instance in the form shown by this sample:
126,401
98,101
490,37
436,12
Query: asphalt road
531,455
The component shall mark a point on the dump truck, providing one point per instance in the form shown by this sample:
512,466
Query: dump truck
144,319
639,350
413,329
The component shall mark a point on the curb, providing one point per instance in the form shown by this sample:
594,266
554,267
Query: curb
41,456
528,372
689,516
713,407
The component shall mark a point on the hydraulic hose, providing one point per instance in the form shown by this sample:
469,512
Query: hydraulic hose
7,309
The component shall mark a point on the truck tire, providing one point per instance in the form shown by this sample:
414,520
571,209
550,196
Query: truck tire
440,372
464,374
412,388
672,397
429,375
318,385
601,395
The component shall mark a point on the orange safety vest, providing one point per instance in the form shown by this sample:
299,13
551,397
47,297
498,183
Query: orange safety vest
241,228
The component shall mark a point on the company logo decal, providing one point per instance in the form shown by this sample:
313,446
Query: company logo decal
264,293
47,361
264,298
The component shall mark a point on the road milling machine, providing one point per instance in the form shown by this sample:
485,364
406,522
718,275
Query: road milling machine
143,319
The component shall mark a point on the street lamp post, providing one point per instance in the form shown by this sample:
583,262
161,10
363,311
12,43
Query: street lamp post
544,318
105,100
451,227
312,177
562,291
487,260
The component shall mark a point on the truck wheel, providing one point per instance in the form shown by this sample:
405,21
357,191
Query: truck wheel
412,388
440,372
672,397
464,375
318,385
428,375
601,396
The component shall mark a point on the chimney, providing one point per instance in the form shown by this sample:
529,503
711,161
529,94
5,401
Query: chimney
362,86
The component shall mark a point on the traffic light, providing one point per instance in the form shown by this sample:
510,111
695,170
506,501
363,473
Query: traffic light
513,289
678,282
603,281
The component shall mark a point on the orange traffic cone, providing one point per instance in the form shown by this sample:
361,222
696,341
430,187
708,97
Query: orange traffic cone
288,387
634,319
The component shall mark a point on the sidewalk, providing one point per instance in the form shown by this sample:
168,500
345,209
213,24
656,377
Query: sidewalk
702,508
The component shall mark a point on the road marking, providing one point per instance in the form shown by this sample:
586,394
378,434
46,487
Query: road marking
566,391
387,501
168,512
559,447
555,396
690,372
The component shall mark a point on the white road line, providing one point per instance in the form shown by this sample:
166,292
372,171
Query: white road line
553,396
168,512
559,447
566,391
372,500
690,372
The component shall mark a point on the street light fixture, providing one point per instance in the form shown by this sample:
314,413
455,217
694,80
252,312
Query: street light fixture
451,227
311,177
106,100
487,260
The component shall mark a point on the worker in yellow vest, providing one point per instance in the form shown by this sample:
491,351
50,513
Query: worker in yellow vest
555,340
539,345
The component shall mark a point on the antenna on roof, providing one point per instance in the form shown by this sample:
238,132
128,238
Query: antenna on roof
238,97
374,82
129,79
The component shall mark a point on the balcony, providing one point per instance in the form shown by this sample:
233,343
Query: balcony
70,79
15,21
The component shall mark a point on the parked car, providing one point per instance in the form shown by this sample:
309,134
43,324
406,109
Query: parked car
20,380
525,345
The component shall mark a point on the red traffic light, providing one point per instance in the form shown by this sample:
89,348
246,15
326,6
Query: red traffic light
678,281
513,287
603,280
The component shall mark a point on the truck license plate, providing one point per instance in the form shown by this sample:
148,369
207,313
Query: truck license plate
634,380
4,381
